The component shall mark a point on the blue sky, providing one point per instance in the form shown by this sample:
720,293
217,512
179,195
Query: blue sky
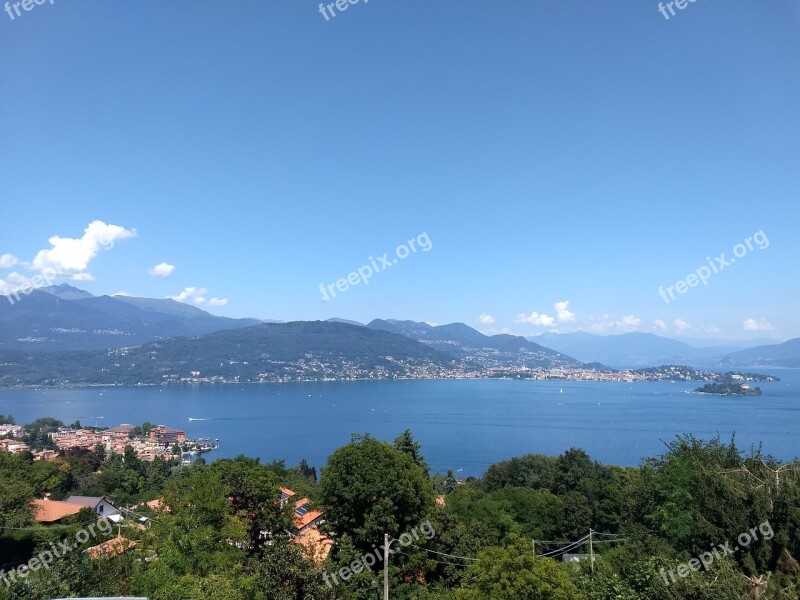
582,152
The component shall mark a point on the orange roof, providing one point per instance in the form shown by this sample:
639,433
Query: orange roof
440,501
314,544
111,548
289,493
302,520
157,505
50,511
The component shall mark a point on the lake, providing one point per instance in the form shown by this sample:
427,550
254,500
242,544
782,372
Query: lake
465,425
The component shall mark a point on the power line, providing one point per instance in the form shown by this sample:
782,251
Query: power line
567,546
565,549
434,560
443,554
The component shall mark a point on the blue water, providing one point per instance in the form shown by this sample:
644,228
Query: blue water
465,425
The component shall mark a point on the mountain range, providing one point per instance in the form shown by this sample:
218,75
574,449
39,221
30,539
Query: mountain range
467,343
634,349
63,318
304,350
638,349
64,321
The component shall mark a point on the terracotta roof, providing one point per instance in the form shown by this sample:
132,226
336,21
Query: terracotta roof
157,505
122,429
302,515
111,548
50,511
314,544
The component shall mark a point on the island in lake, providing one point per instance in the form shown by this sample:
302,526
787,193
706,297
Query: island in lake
729,389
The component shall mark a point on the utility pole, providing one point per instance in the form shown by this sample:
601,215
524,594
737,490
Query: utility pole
385,566
591,550
534,548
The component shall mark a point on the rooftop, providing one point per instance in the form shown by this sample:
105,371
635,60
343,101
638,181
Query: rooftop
50,511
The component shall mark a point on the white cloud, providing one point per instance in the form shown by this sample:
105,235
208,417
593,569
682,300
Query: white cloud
71,256
84,276
7,261
161,270
18,279
536,319
757,325
190,293
605,324
486,319
196,295
682,325
629,322
563,313
660,325
17,282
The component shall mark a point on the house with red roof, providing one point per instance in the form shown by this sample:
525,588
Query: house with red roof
314,543
51,511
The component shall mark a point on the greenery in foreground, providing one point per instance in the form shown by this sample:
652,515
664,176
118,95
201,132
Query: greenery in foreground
226,535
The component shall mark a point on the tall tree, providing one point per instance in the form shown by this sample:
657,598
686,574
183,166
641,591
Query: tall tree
405,442
370,488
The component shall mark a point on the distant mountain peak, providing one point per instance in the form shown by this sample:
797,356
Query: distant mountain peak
469,343
66,292
345,321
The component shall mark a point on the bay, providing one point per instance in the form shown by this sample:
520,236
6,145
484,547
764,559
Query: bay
464,425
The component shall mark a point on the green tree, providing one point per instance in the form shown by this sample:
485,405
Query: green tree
370,488
405,442
444,484
513,573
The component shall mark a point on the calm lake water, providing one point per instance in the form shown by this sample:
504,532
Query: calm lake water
463,425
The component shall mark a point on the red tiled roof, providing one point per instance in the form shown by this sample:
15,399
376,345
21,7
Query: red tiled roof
50,511
111,548
315,544
308,516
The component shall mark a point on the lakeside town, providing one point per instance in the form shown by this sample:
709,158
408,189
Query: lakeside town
309,373
147,442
